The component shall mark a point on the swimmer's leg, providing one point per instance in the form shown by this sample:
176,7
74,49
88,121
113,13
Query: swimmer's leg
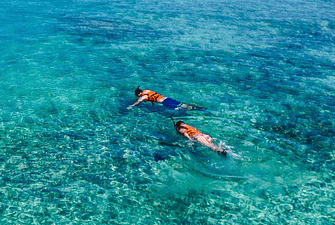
203,140
189,107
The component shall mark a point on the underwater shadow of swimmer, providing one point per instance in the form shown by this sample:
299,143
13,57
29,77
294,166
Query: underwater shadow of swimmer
169,150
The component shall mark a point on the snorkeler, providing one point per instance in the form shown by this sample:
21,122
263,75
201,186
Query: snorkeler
195,135
151,96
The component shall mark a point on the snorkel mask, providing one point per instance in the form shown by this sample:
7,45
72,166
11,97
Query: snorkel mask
176,125
138,91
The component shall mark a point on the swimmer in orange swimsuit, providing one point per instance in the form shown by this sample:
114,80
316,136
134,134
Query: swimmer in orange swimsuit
153,97
195,135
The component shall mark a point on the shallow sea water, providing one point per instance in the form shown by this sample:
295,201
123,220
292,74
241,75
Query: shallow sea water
72,154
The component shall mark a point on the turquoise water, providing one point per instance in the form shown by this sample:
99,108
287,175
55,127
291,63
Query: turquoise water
72,154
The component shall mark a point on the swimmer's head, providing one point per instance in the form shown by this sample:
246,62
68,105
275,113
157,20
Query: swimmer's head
178,124
138,91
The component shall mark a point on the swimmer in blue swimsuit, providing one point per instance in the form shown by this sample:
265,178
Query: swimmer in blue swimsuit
153,97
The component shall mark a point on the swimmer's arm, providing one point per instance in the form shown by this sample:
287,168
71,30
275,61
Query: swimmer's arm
141,99
182,132
186,135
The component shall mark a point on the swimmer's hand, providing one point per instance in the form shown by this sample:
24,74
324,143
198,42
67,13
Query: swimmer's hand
129,107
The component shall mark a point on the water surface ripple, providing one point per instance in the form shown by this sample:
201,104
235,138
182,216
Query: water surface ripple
70,153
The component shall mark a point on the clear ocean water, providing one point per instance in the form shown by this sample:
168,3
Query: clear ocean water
71,153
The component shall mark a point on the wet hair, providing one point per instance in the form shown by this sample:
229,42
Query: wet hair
138,91
178,124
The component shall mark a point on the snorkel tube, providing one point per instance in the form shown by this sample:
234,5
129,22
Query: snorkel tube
174,123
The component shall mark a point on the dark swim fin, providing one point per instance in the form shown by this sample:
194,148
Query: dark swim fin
222,153
196,107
